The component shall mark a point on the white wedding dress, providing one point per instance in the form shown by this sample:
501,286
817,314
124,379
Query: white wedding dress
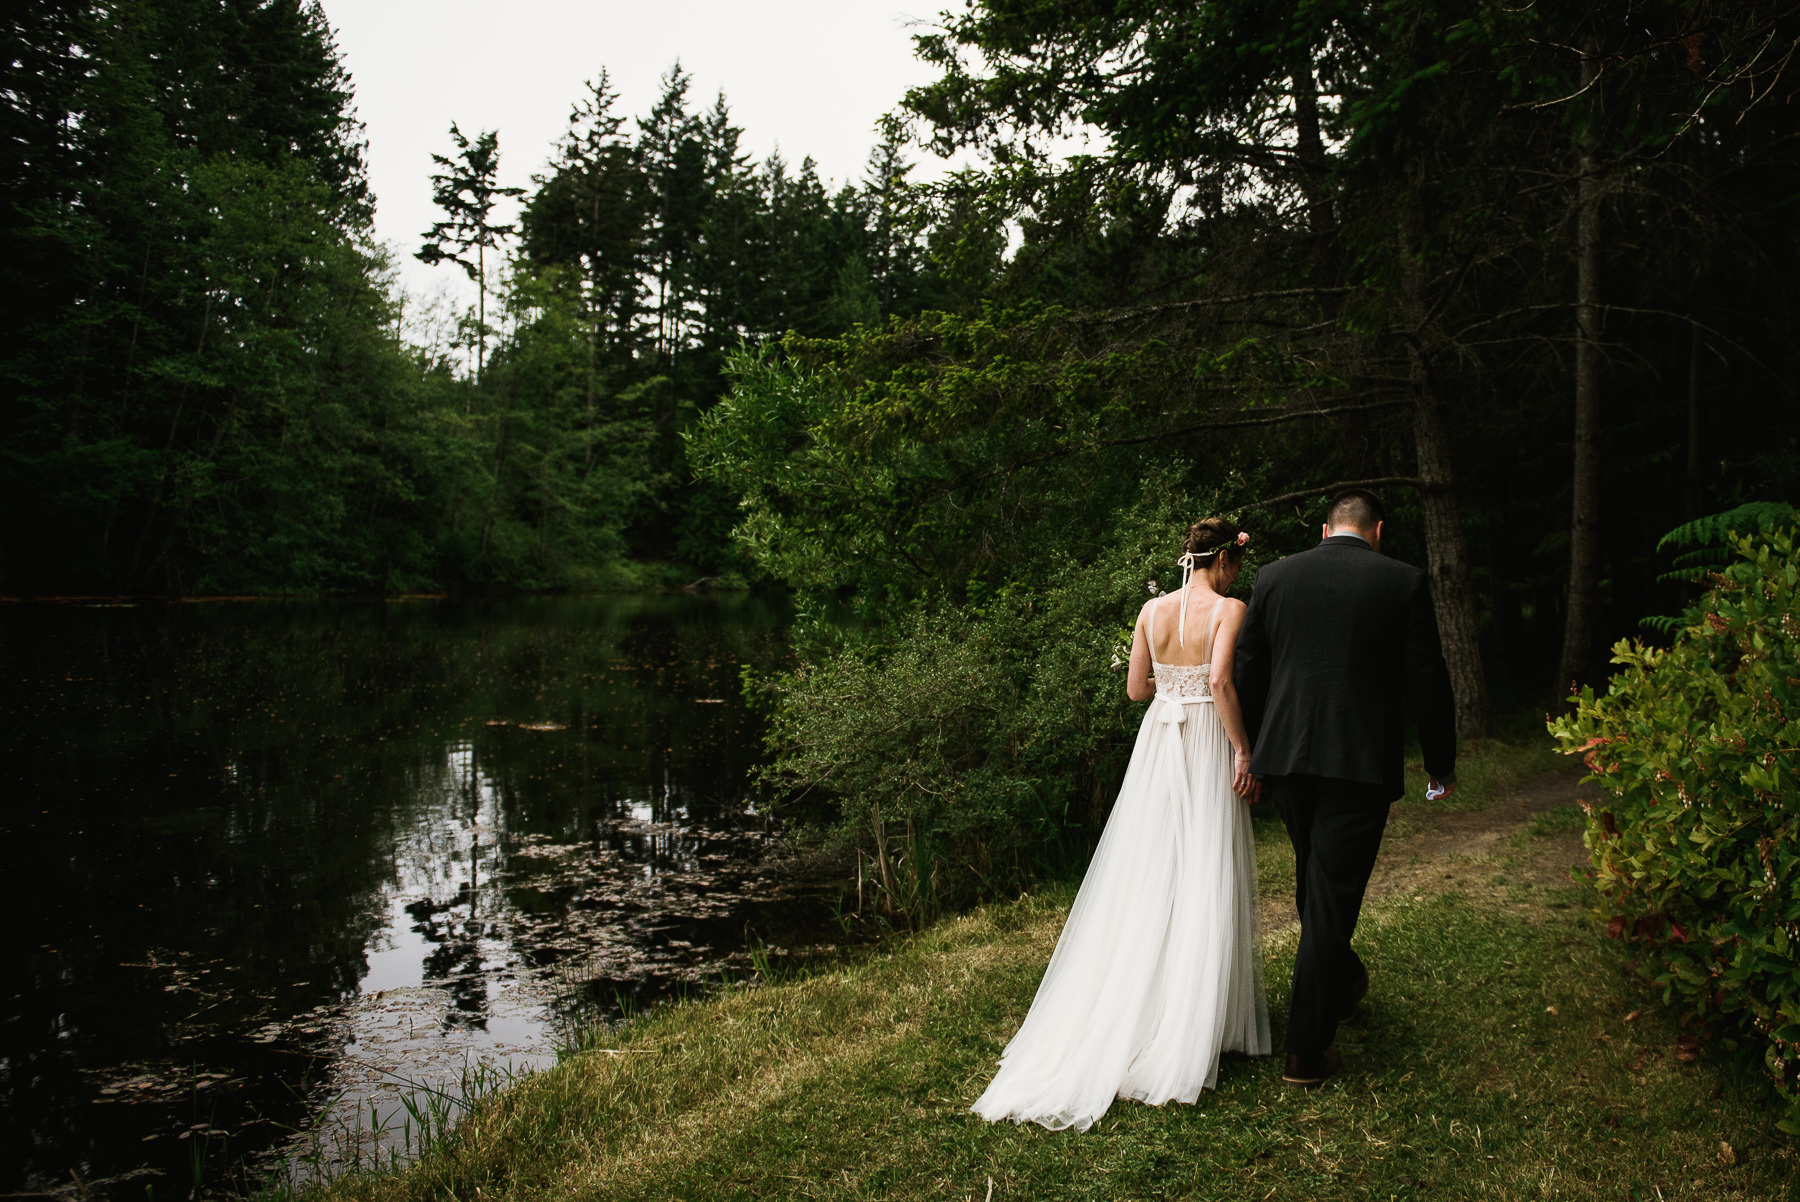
1157,971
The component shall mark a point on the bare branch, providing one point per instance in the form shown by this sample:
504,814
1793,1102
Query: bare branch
1272,418
1534,105
1326,489
1212,302
1225,423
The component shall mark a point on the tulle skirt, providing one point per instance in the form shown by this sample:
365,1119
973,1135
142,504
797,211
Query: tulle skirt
1157,971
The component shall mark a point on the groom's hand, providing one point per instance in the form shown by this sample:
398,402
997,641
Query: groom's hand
1435,791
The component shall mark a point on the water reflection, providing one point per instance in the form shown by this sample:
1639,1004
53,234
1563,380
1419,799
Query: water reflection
259,856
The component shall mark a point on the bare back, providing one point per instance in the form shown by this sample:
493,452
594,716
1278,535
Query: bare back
1164,630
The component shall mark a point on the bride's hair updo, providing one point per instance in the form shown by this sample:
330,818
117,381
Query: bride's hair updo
1209,538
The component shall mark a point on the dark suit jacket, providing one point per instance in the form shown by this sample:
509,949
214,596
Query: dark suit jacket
1339,639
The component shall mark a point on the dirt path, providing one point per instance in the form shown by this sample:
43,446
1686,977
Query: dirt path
1432,851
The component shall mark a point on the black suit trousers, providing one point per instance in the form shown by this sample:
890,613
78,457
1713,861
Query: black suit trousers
1335,827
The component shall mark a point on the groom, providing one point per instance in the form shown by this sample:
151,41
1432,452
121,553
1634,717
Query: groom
1336,640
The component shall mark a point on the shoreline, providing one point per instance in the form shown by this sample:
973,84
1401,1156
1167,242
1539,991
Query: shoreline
1504,1050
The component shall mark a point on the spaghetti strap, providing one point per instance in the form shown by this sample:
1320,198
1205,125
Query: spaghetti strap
1208,625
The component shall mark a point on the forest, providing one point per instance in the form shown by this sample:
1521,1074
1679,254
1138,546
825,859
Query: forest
208,383
1527,271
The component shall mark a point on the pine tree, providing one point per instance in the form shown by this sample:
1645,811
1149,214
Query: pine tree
672,150
893,236
467,188
588,216
725,267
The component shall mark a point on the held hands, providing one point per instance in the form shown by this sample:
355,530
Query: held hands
1435,791
1243,783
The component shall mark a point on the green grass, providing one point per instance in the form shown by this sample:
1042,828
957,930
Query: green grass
1485,772
1562,818
1505,1052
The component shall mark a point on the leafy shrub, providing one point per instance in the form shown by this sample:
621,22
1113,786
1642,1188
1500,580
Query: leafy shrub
1698,844
978,745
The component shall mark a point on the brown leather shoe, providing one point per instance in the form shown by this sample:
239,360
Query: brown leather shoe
1358,992
1310,1072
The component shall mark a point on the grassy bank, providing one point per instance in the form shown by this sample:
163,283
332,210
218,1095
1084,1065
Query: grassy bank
1504,1053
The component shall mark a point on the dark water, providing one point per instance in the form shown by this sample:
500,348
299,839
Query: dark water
270,868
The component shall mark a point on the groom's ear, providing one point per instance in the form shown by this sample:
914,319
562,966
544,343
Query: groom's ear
1324,531
1378,526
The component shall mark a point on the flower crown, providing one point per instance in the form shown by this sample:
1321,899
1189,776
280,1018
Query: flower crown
1192,559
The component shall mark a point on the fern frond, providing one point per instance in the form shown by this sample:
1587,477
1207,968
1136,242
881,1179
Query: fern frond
1711,531
1706,537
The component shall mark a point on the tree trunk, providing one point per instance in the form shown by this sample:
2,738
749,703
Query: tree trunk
1584,528
1446,552
1309,150
162,478
1697,307
587,454
1691,478
593,338
1447,557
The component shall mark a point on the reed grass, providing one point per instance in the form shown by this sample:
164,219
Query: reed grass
377,1134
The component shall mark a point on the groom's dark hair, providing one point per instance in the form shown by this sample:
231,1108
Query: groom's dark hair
1355,508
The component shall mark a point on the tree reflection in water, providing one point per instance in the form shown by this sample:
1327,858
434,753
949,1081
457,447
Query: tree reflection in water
256,855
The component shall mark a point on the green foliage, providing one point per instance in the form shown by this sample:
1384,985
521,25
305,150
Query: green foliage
1706,543
207,382
893,464
1698,843
569,453
985,738
466,189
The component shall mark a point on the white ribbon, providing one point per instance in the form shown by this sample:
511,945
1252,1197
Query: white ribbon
1187,562
1187,576
1174,710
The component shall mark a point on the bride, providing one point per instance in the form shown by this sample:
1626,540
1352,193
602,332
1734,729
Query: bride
1156,971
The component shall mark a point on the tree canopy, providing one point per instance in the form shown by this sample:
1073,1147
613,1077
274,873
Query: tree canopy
1526,269
209,383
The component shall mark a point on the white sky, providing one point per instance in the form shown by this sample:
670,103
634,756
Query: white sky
811,76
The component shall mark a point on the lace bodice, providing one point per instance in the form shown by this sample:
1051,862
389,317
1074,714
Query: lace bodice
1183,680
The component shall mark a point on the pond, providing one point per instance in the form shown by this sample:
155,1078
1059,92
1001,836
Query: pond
278,874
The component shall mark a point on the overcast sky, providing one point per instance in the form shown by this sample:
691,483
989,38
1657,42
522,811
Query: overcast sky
810,75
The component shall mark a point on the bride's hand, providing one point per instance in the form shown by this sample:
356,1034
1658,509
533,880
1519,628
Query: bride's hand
1242,783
